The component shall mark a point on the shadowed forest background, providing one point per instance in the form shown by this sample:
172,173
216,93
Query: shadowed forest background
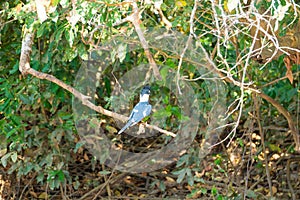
251,48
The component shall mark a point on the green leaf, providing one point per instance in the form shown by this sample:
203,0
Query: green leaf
183,159
13,168
8,93
218,160
164,72
181,174
14,69
12,131
214,190
78,145
61,176
180,177
190,180
28,168
175,111
82,52
54,2
166,100
251,194
40,178
14,156
200,180
4,159
203,190
59,32
25,99
41,30
274,147
69,34
104,172
53,184
190,177
70,54
64,115
220,197
162,114
240,141
162,186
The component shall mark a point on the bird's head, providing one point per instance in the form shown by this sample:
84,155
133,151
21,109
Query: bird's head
145,93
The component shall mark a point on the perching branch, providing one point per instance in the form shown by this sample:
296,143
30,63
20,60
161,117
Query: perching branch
25,69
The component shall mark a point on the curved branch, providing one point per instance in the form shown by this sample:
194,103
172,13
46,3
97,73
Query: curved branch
25,69
288,117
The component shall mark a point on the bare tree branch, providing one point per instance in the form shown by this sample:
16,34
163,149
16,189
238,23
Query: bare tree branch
134,18
157,7
189,40
261,27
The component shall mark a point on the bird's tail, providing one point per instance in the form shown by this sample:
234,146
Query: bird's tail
125,127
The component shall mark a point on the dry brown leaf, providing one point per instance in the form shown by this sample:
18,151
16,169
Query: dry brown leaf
33,194
117,193
169,179
143,195
43,195
295,58
274,190
288,65
85,156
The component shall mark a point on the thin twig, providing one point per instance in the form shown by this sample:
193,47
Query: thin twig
26,186
228,77
191,35
106,183
279,79
287,115
157,6
114,180
288,175
261,132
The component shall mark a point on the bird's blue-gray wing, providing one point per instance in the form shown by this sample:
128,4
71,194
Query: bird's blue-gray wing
131,121
140,111
134,111
147,111
143,111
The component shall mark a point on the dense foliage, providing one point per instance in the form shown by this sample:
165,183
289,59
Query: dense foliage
42,153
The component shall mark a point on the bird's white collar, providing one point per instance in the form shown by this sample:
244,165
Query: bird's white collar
144,98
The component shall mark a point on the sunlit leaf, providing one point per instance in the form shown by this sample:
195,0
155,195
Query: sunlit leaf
14,156
122,50
180,3
54,2
232,4
41,10
4,159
